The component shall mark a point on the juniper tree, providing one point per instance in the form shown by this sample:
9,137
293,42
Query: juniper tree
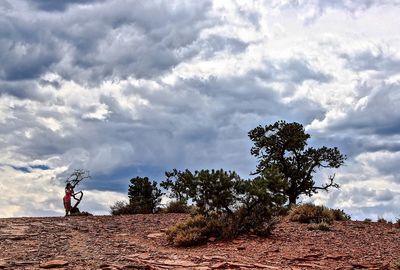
211,191
179,184
283,146
144,196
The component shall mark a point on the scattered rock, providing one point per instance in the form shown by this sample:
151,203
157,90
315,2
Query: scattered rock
361,265
181,263
139,242
53,264
215,257
155,235
259,265
337,257
20,263
310,265
220,265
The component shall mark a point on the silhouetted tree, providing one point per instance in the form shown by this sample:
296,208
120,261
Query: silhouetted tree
211,191
179,184
74,179
282,146
144,196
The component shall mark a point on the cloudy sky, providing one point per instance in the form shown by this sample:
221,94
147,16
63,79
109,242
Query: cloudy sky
125,88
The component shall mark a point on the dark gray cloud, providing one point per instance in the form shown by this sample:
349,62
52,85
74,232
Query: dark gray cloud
49,5
142,41
125,88
378,115
379,62
21,89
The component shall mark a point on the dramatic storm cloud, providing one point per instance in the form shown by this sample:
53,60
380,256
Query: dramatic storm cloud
125,88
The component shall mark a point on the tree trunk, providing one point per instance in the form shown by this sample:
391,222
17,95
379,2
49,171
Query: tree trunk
292,199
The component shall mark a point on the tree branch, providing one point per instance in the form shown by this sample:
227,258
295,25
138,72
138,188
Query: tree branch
330,184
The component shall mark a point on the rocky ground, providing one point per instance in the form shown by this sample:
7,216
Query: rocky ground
139,242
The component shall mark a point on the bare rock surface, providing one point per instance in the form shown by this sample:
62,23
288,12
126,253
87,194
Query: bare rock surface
139,242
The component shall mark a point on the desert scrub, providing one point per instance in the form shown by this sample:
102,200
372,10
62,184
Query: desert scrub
340,215
310,213
382,220
177,207
194,231
367,220
198,229
322,226
396,264
120,208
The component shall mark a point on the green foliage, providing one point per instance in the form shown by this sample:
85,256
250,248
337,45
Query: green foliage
177,207
322,226
230,206
282,146
120,208
144,196
179,184
310,213
261,200
211,191
340,215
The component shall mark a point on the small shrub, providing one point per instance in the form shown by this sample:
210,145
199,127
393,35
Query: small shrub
198,229
322,226
257,220
340,215
396,264
398,222
194,231
177,207
121,208
310,213
367,220
382,220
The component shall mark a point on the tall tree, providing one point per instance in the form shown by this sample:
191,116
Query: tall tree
144,196
283,146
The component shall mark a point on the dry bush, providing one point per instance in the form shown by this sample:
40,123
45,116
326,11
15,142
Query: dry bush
367,220
396,264
340,215
322,226
258,220
198,229
121,208
382,220
194,231
177,207
310,213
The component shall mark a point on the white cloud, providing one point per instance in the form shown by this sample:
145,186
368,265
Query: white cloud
40,193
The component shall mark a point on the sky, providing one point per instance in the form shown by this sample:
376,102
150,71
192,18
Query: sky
127,88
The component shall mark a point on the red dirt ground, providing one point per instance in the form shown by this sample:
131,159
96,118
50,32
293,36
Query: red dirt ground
139,242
